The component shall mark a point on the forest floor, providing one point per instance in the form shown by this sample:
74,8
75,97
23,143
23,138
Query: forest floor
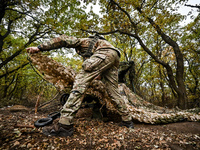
17,132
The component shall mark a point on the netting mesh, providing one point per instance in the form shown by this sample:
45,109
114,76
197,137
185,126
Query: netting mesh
63,77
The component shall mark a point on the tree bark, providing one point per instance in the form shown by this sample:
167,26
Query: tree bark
162,87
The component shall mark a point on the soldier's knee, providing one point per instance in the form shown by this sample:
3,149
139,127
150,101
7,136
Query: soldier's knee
74,97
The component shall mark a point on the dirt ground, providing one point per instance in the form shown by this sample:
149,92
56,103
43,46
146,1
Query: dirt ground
17,132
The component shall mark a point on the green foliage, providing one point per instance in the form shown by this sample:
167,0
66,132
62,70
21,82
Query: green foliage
29,22
150,21
190,45
74,62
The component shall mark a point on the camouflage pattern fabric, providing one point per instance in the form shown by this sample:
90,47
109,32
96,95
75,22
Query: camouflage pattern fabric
80,44
104,62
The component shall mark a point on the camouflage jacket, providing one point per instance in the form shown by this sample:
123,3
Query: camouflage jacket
80,44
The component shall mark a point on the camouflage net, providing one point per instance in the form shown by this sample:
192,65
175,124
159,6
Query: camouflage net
63,77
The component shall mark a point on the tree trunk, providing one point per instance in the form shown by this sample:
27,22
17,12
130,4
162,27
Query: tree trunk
180,87
162,87
176,81
182,99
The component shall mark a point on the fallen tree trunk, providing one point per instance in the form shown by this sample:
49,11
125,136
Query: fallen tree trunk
63,77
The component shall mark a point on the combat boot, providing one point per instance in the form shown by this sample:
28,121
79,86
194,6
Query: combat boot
58,130
128,124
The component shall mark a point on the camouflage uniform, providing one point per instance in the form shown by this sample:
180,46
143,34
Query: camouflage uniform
104,62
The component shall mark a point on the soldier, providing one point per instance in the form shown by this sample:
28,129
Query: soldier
100,59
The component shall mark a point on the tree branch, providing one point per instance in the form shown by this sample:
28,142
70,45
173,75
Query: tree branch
16,83
8,30
196,6
178,53
127,14
23,65
110,32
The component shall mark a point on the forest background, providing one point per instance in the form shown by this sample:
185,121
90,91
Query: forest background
150,33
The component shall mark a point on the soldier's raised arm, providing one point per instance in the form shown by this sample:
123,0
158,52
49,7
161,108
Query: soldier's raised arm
55,43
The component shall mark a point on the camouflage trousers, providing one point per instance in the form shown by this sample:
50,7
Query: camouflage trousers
104,62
